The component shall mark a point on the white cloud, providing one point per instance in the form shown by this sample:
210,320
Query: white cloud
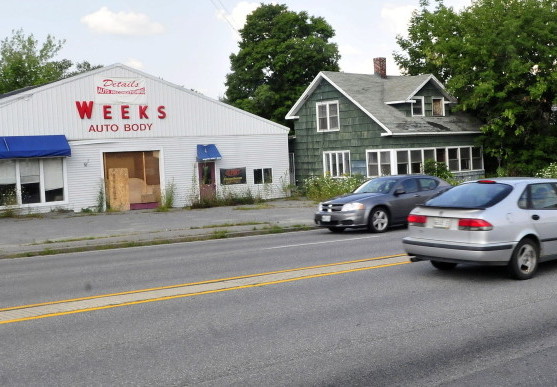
237,18
135,63
397,18
104,21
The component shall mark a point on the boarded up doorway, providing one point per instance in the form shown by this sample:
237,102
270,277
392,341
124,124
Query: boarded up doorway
132,180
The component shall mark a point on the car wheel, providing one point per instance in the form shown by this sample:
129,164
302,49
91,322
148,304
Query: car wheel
524,261
443,265
336,229
378,220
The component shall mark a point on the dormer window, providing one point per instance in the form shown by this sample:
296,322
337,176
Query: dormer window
418,107
327,116
437,107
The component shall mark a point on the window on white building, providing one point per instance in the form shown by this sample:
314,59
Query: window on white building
327,116
336,163
31,181
262,176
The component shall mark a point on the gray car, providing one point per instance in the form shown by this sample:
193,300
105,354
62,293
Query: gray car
503,221
378,203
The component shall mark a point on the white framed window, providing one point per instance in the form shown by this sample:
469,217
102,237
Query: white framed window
327,116
263,176
336,163
438,107
411,161
477,158
379,162
453,159
32,181
418,109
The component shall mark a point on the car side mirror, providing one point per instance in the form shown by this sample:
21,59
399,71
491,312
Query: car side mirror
399,191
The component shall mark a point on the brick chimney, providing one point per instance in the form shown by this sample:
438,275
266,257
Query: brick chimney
380,67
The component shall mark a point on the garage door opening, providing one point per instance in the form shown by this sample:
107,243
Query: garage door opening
132,180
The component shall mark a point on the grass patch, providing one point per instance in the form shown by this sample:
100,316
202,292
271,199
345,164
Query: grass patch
262,206
219,234
227,225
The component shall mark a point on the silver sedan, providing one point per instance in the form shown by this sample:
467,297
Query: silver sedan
503,221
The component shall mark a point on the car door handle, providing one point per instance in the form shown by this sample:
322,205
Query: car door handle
536,217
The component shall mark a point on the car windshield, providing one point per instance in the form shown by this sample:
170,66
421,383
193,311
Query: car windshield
472,195
379,185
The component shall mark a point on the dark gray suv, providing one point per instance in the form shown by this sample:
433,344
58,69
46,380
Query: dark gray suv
379,203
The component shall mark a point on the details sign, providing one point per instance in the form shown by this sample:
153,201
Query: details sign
116,90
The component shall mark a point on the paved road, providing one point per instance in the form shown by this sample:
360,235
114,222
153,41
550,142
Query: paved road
406,324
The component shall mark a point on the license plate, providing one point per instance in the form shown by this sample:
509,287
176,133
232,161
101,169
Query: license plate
441,222
325,218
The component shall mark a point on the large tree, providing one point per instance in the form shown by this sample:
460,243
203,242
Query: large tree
280,53
498,57
24,62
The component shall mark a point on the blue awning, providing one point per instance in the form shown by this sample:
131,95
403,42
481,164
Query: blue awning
208,152
17,147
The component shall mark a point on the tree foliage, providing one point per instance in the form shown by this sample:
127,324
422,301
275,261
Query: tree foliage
24,62
498,57
280,53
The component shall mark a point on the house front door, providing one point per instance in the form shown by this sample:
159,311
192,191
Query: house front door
207,185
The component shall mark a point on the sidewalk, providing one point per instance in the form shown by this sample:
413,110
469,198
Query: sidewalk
65,232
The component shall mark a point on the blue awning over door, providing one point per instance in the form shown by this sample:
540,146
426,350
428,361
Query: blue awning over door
208,152
18,147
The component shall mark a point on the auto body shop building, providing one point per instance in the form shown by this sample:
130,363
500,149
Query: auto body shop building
127,137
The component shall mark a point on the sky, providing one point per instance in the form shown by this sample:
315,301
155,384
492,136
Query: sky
189,42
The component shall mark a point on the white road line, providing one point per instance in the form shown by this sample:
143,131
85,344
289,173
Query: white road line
318,243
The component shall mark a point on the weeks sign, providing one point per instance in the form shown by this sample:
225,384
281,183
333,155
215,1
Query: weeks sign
122,99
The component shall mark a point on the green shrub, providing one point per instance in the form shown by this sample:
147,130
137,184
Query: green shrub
321,188
168,196
439,169
227,198
549,172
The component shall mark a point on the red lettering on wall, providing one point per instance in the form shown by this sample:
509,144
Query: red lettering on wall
143,111
162,113
84,108
125,109
107,112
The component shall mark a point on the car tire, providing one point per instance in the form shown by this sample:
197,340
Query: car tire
524,261
336,229
378,220
439,265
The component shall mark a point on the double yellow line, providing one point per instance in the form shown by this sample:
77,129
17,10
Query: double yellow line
134,297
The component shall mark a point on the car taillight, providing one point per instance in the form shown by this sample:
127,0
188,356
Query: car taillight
417,220
474,225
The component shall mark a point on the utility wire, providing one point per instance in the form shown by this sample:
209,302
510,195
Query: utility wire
227,15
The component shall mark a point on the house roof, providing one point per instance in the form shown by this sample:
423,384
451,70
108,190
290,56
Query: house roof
375,96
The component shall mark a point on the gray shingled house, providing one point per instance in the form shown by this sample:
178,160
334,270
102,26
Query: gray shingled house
375,125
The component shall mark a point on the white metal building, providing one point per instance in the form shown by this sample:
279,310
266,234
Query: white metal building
131,137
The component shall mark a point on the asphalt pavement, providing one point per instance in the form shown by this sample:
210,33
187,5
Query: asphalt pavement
58,232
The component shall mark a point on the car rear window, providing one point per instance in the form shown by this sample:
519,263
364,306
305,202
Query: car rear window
472,195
